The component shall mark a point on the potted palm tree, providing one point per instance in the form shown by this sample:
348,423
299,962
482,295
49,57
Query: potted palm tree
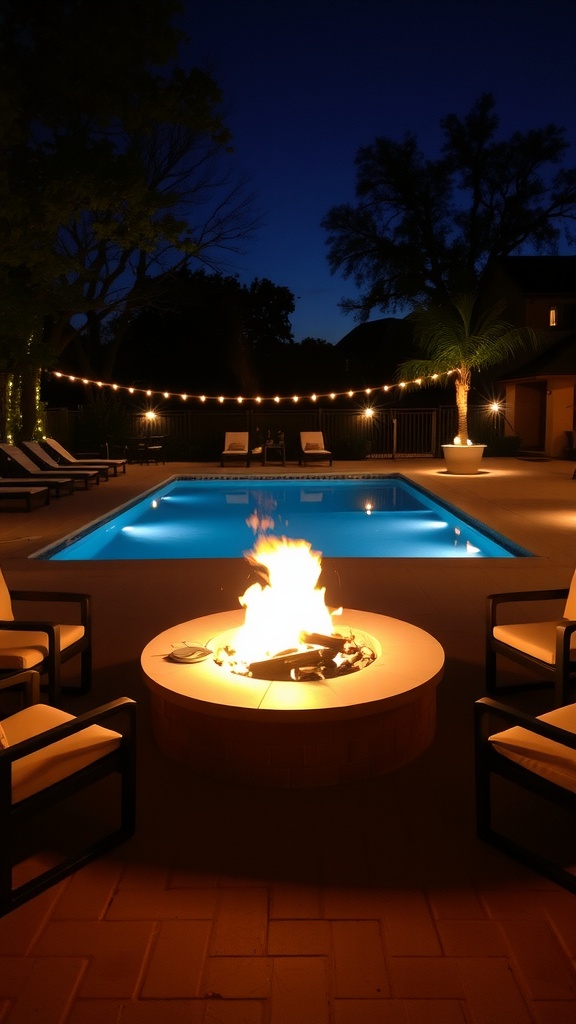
457,338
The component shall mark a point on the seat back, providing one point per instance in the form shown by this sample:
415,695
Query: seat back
312,440
6,612
36,452
236,441
57,449
19,457
570,607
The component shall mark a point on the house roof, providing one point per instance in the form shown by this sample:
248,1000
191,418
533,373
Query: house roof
558,360
541,274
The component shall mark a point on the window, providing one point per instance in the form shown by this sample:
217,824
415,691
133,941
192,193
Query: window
553,321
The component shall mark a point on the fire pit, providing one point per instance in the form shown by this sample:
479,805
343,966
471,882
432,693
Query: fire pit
295,734
287,693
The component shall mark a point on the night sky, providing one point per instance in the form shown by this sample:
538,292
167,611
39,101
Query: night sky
307,82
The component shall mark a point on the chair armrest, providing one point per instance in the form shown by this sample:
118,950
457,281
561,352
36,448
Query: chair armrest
31,684
485,707
55,597
494,601
35,625
123,705
564,633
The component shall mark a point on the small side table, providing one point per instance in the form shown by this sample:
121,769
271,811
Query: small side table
277,451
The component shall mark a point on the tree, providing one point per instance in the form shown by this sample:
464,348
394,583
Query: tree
114,166
456,338
425,229
217,334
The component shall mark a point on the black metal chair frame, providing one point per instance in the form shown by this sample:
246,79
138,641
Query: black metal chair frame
56,657
14,816
560,675
489,762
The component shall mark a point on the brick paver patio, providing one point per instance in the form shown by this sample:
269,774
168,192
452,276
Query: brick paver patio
368,903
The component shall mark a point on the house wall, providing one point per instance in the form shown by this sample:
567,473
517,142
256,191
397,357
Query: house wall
541,414
559,416
525,408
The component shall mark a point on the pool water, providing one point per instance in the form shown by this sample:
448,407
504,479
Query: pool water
367,517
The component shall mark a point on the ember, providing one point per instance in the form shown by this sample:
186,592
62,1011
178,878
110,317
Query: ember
288,631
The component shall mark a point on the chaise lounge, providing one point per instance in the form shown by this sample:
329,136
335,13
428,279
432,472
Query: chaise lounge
64,458
312,447
85,477
236,447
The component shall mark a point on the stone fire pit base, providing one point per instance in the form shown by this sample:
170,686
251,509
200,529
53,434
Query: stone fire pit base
294,735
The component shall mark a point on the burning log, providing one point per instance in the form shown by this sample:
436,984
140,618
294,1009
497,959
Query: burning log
281,665
330,643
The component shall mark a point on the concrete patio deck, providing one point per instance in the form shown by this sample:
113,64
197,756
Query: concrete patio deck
370,903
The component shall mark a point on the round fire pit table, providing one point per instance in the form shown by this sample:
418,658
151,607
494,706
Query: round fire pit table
288,734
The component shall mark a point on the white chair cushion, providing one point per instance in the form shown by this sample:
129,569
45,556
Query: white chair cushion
57,761
20,658
535,638
542,756
22,649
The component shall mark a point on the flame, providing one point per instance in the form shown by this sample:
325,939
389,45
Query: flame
286,604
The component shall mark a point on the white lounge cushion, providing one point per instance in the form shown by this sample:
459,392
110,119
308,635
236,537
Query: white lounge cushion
544,757
20,649
535,638
58,760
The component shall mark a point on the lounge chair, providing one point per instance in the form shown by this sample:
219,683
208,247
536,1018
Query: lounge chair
15,461
83,477
31,497
48,756
64,458
312,447
44,644
547,647
236,446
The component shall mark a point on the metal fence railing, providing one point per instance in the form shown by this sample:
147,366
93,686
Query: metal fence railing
197,435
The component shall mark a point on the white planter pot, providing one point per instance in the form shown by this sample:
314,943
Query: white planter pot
463,458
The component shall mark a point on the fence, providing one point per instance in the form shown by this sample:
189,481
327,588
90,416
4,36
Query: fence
197,435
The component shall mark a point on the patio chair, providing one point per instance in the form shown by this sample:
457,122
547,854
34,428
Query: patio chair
236,446
46,757
537,754
15,461
547,647
312,447
45,645
64,458
85,477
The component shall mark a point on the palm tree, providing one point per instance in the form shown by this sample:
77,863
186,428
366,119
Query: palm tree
457,338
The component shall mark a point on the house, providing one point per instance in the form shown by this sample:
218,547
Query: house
540,293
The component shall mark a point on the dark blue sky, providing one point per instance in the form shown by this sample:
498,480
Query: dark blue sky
307,82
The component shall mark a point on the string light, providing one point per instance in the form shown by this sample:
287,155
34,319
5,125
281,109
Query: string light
258,399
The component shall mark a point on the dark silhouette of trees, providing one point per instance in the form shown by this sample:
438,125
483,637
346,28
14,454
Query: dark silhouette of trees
206,334
115,165
426,229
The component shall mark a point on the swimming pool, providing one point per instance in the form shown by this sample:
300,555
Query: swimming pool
349,517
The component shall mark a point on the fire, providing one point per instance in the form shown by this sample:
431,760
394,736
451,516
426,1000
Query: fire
288,602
